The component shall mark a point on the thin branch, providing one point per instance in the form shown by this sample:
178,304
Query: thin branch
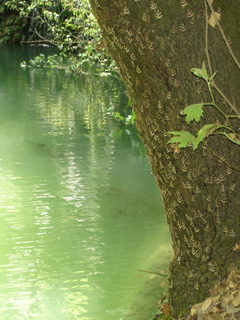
223,35
234,108
221,159
206,40
43,38
209,61
39,41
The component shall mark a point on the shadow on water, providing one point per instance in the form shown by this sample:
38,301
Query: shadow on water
39,149
37,145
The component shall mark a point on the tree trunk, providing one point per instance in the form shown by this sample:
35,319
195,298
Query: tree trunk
155,44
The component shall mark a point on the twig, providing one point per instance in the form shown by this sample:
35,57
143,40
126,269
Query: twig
43,38
223,35
221,159
159,274
39,41
225,98
206,41
209,61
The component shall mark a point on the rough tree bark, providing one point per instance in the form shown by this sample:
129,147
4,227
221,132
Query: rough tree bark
155,44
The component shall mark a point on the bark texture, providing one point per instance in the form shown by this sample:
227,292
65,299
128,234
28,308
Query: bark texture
155,44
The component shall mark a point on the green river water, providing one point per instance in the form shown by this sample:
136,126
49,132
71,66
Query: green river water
80,213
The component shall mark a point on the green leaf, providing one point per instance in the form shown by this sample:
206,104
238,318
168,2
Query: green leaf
118,116
183,138
231,136
201,73
204,132
129,103
193,112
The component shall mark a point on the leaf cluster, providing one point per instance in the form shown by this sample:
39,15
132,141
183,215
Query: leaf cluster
194,112
68,25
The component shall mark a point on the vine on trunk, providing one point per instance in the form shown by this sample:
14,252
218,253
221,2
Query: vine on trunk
194,112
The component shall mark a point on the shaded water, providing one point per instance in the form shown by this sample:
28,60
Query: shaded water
79,210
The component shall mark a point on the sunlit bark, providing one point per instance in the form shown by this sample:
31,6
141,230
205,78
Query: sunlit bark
155,44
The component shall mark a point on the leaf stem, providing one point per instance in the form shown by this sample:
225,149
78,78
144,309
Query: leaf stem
223,133
228,128
210,91
232,116
219,109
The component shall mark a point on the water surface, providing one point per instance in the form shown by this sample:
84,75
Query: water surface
79,210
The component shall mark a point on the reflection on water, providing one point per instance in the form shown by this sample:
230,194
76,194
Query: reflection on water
79,211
